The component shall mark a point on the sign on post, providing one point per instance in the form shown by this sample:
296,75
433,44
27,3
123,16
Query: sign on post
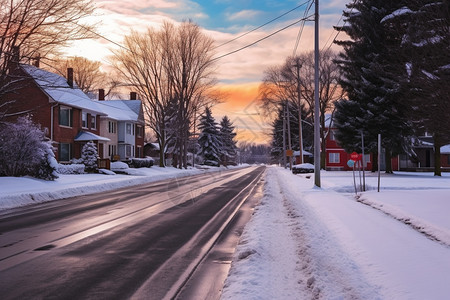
355,156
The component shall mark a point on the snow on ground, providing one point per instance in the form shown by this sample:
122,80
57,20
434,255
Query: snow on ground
21,191
305,242
313,243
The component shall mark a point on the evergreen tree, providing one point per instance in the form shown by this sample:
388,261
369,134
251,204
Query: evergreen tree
47,168
371,70
426,51
209,140
89,156
276,151
229,148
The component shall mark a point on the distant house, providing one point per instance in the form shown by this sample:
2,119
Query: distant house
152,150
422,160
67,116
123,124
337,158
423,157
307,157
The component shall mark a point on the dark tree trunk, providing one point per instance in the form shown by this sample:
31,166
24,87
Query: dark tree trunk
389,162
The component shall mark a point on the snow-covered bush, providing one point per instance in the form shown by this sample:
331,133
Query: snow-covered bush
89,155
25,151
142,162
76,161
70,169
118,166
47,169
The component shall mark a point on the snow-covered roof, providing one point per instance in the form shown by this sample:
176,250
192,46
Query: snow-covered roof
84,136
121,110
297,153
57,88
445,149
153,145
328,121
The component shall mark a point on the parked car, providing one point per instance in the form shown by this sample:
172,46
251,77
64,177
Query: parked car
303,168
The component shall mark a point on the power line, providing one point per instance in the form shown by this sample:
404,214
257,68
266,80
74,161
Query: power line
300,32
271,21
261,39
339,30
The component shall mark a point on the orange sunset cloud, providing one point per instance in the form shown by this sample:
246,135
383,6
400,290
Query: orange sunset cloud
242,107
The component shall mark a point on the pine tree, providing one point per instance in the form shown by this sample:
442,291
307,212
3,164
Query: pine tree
228,148
89,155
47,168
426,49
209,140
371,72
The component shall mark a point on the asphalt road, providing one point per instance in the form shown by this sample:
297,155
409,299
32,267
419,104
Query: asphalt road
142,242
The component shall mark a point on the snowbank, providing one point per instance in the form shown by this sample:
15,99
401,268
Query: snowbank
322,243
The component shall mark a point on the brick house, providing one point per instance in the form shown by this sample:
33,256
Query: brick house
70,118
67,116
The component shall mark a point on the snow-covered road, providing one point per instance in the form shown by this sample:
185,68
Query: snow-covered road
321,243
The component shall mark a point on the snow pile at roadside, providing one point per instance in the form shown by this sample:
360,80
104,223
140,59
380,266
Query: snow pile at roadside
345,249
261,269
21,191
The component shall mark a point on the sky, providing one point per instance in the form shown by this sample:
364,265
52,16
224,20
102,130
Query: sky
238,74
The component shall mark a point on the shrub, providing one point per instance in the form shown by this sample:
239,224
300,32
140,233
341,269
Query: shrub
70,169
89,155
25,151
141,162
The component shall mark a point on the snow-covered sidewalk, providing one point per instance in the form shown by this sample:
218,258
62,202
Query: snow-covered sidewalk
321,243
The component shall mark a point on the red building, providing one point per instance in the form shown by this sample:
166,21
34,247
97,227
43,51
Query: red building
337,158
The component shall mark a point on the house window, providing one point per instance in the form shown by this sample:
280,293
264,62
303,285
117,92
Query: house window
65,116
128,150
84,119
112,150
93,122
112,127
448,159
129,128
334,158
139,131
65,151
366,158
139,151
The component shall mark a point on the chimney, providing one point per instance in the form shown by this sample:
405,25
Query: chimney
133,96
101,94
37,61
70,77
15,54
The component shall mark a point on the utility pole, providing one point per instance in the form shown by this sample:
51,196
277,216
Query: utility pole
298,65
316,98
284,136
289,134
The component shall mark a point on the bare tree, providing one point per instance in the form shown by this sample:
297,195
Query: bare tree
294,81
86,73
191,76
39,29
172,70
